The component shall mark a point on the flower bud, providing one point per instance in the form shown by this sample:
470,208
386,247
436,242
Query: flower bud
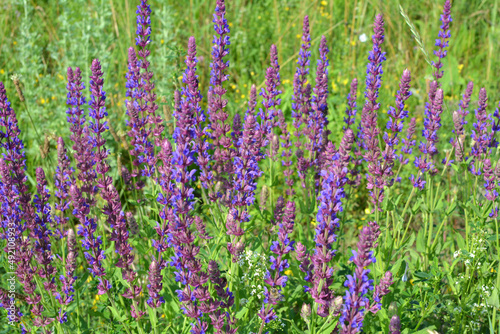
305,312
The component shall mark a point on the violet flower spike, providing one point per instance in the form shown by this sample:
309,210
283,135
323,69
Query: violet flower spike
351,108
271,97
41,233
217,102
15,162
395,123
82,146
459,121
274,277
62,179
300,100
368,125
330,204
442,42
481,134
356,302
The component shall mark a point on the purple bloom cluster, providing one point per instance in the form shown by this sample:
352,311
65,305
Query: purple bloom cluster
62,179
301,99
459,122
275,277
442,43
271,98
84,155
145,124
369,129
70,278
320,274
481,135
15,183
216,101
351,105
356,301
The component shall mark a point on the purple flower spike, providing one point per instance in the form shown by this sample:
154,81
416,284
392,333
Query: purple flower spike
301,103
489,179
481,135
17,196
432,123
330,198
216,101
87,229
271,97
356,301
155,285
351,105
369,130
395,124
275,277
287,162
442,42
62,179
41,233
82,146
368,126
459,122
69,279
395,325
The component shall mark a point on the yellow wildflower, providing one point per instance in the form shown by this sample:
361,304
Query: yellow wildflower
245,85
237,91
230,24
334,87
258,17
345,82
353,42
162,41
324,3
252,73
243,96
15,42
42,100
288,272
163,315
460,68
299,36
367,211
53,97
287,8
60,76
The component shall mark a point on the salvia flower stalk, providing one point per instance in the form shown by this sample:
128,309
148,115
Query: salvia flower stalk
481,135
216,101
275,277
442,42
82,147
63,179
330,205
370,130
356,302
459,121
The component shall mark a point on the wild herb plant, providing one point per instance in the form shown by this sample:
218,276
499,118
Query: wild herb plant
213,224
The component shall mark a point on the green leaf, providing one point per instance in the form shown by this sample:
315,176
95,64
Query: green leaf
152,317
329,328
242,313
421,241
493,298
425,330
116,314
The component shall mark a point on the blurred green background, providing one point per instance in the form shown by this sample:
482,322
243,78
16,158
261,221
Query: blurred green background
40,39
